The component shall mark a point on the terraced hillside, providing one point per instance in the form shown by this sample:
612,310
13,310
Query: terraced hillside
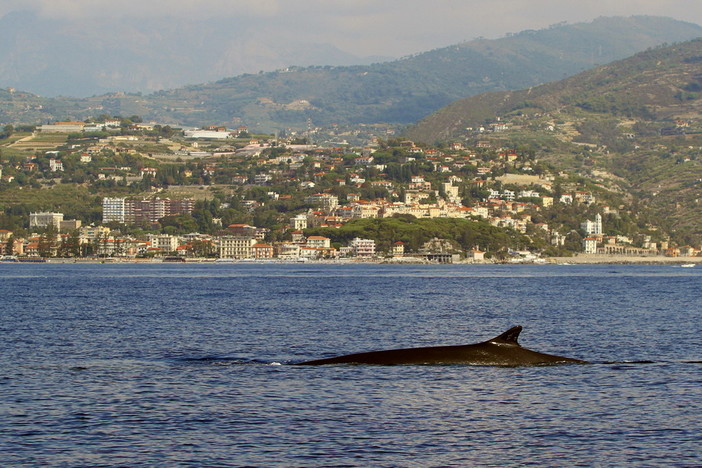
639,119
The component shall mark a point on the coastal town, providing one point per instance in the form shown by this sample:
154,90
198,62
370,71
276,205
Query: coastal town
214,193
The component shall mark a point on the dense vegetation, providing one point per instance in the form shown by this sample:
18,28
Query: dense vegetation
414,233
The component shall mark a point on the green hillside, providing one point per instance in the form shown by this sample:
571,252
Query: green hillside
659,84
399,92
636,122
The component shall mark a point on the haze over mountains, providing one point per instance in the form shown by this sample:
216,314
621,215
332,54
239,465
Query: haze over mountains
398,92
68,57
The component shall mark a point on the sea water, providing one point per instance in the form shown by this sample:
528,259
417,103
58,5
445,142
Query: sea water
188,365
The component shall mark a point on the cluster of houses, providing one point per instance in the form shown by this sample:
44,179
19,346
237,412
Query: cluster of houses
245,242
236,242
118,144
501,209
454,173
597,242
419,197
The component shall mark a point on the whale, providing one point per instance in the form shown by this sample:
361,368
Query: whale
503,350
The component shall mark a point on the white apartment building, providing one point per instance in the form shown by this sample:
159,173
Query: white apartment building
298,222
593,227
236,247
318,242
325,201
362,247
262,179
288,251
55,165
365,210
124,210
113,209
590,245
92,233
529,194
451,191
45,219
164,243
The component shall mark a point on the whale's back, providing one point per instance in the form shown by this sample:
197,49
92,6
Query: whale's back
503,350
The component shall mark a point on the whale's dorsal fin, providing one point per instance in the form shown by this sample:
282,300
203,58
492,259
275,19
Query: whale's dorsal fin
508,337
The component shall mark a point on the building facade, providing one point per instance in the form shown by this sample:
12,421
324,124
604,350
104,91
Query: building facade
318,242
590,245
165,243
45,219
325,201
237,247
593,228
135,211
362,247
298,222
113,210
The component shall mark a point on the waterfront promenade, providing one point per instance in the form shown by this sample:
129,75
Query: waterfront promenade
581,259
622,259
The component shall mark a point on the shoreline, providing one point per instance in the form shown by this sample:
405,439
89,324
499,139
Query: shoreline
582,259
597,259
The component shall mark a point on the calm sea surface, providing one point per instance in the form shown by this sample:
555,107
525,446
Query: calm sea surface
186,365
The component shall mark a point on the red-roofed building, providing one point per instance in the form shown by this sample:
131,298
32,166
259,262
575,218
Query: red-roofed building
318,242
261,251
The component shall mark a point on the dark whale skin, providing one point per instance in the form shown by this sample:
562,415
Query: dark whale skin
503,350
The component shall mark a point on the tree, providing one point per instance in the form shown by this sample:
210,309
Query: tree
70,246
165,131
7,131
100,244
47,242
266,218
203,218
178,224
10,246
202,248
416,232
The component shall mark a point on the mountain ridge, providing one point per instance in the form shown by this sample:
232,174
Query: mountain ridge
592,90
399,92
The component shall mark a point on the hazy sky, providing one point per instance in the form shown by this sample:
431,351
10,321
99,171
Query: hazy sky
370,27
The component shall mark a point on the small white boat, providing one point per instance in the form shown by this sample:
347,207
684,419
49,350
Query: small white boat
687,265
